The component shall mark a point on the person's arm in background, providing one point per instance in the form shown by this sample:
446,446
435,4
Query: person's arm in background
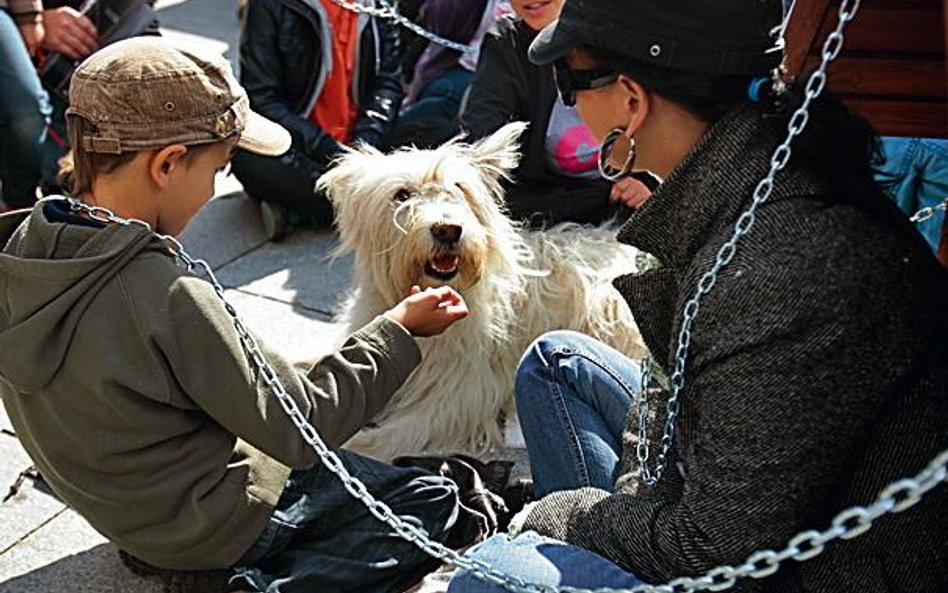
495,97
383,97
260,65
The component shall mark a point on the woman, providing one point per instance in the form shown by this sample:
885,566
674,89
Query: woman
818,365
557,178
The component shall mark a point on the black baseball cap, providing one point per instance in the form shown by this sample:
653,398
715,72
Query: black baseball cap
703,36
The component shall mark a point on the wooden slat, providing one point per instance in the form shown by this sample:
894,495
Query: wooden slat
913,79
801,30
896,29
902,118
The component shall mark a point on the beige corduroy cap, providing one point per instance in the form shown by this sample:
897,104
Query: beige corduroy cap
145,93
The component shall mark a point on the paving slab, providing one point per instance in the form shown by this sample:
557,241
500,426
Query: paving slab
213,25
297,270
227,228
33,504
68,556
300,335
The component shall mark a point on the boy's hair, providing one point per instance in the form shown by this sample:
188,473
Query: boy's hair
78,169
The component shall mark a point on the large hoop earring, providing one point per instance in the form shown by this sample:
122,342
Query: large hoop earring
606,169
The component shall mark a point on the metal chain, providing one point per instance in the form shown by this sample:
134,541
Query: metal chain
390,12
779,160
852,522
929,211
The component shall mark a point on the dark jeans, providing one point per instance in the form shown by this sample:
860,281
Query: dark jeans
24,114
433,118
287,181
322,539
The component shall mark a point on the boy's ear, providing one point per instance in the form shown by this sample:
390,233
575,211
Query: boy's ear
499,153
164,162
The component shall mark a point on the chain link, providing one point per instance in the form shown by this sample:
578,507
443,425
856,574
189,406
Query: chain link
388,11
852,522
929,211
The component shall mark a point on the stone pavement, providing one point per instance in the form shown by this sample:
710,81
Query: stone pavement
287,293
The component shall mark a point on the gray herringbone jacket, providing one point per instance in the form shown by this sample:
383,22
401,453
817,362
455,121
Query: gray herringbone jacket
818,374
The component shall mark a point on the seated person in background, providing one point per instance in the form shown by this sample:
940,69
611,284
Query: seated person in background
442,75
328,75
557,179
24,105
32,114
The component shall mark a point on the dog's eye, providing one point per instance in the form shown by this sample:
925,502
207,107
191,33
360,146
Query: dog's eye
401,195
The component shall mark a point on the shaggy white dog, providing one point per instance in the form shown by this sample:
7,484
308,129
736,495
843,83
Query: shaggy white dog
433,217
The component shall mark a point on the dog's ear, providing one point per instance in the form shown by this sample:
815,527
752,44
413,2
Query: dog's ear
338,182
499,153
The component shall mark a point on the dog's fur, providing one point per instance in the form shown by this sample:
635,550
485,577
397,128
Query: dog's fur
517,284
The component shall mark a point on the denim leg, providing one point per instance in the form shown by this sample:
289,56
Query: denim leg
543,561
915,175
573,397
322,539
24,114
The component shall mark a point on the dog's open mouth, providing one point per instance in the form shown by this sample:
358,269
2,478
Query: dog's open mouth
443,266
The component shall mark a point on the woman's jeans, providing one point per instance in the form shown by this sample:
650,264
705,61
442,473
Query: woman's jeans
574,395
321,539
24,115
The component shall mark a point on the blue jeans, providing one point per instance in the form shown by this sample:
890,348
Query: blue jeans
915,175
541,560
24,115
573,396
322,539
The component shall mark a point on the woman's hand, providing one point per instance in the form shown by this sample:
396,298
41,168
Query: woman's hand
629,191
70,33
428,312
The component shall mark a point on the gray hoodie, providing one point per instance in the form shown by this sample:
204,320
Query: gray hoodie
127,385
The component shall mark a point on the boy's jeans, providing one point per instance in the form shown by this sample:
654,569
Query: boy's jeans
574,395
322,539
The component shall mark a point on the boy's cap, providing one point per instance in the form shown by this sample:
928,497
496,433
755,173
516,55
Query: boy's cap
704,36
145,93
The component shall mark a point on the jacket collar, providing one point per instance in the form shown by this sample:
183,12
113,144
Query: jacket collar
701,198
711,186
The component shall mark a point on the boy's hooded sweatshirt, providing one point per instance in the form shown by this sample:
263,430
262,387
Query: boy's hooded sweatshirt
126,383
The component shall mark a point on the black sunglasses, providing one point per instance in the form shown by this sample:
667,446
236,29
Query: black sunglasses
568,81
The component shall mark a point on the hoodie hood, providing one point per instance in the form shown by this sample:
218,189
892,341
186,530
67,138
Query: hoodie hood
49,273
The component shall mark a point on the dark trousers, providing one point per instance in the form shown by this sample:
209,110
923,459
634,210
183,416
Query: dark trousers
321,539
287,181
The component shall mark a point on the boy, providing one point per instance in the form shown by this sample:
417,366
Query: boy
126,381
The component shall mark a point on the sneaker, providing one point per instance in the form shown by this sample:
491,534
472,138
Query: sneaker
275,220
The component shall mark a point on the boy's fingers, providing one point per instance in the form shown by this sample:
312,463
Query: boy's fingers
414,289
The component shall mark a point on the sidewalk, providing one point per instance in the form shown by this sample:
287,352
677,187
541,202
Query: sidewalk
286,292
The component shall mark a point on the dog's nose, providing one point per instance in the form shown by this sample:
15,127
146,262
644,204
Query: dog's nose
446,233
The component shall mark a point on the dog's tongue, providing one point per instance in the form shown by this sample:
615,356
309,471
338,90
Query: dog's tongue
445,263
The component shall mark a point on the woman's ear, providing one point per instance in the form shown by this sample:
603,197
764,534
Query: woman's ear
638,104
164,162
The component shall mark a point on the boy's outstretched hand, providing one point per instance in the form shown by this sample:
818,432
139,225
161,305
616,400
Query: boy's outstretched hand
428,312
